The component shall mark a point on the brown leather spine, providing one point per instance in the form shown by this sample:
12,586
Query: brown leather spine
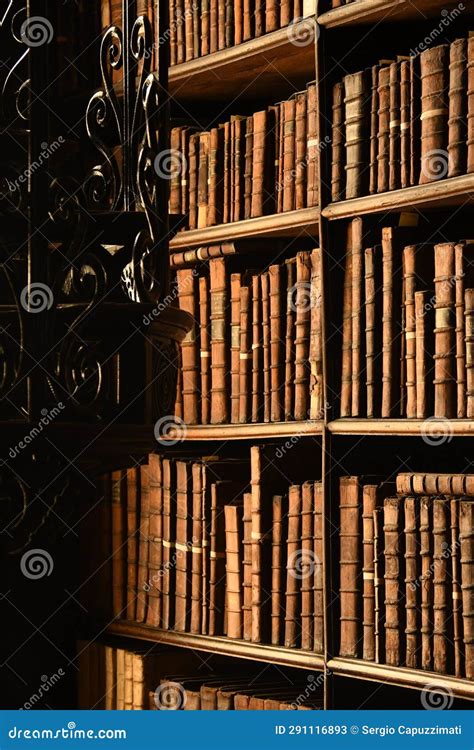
379,587
133,504
424,335
285,12
259,17
457,130
394,127
205,349
247,568
293,581
213,26
312,147
434,113
205,28
393,644
215,189
277,297
391,333
190,346
264,290
346,359
441,620
227,204
182,546
373,333
188,30
235,287
278,526
217,559
302,334
338,157
470,105
301,163
466,537
415,124
383,156
369,502
435,484
169,539
469,334
193,180
175,182
143,545
245,366
248,168
374,129
221,18
238,168
409,284
206,545
259,163
355,98
257,354
307,565
180,32
234,577
203,175
290,338
238,21
173,33
412,582
316,338
110,678
289,153
456,587
318,601
350,511
195,548
155,555
358,376
459,281
272,21
219,343
119,520
248,29
229,23
445,343
404,124
426,552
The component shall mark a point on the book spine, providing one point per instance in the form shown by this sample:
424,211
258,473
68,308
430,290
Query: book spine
217,564
248,168
456,587
289,113
394,127
369,501
346,364
143,546
290,338
169,539
186,284
259,160
372,330
466,537
306,568
133,501
293,582
411,582
349,565
318,602
444,357
276,342
233,536
257,355
405,124
469,339
374,128
247,568
434,113
426,553
213,26
312,147
183,495
424,333
272,21
415,124
460,339
379,587
355,96
300,175
338,139
391,332
248,25
302,334
409,284
205,349
238,21
118,491
188,30
277,570
285,12
193,180
196,550
155,557
219,348
392,582
203,176
235,289
206,514
441,634
239,169
205,28
175,183
383,157
229,23
214,208
267,388
316,338
457,132
245,355
357,376
470,105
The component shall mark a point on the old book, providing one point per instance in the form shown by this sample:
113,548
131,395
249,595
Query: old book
266,380
307,565
466,538
383,148
238,167
155,535
203,176
373,337
279,521
213,26
119,525
413,257
175,182
259,17
120,671
312,147
434,113
238,21
302,301
248,169
456,587
277,312
221,16
442,621
394,127
369,503
290,338
457,130
190,346
346,361
350,543
469,343
470,104
405,123
173,35
357,356
285,12
182,545
435,484
301,163
272,21
445,347
219,345
289,114
318,564
316,338
293,579
245,355
143,533
412,573
205,349
379,586
247,568
462,279
193,180
196,548
424,350
169,540
426,553
188,30
391,329
248,25
415,122
338,156
393,551
235,288
355,97
257,353
374,129
234,568
133,504
128,681
227,186
279,157
110,678
229,23
215,178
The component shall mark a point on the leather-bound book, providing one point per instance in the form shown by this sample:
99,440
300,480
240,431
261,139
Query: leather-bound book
374,129
445,344
229,23
373,332
469,339
182,545
205,27
206,480
466,538
248,169
394,128
227,205
173,34
110,678
257,353
279,156
290,338
306,568
456,587
119,562
143,545
247,568
434,113
213,26
391,329
442,620
338,155
277,318
293,579
463,279
128,681
312,147
383,155
169,539
404,123
267,388
120,670
357,356
205,349
412,581
285,12
190,346
221,15
188,30
318,548
279,523
369,503
259,17
219,344
175,182
301,162
289,152
355,103
379,586
457,122
203,174
196,549
424,350
302,300
435,484
426,580
470,105
248,23
272,19
350,558
187,257
415,123
133,504
193,180
215,179
155,553
346,359
316,338
245,365
235,288
238,21
234,568
393,585
180,31
238,167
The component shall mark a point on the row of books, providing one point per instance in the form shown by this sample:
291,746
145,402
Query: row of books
407,571
404,123
415,303
219,547
248,166
255,352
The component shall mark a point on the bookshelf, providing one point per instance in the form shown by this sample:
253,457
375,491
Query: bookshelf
381,11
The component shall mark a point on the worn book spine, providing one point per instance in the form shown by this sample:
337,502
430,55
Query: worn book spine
175,186
357,357
257,354
391,333
426,553
466,538
412,572
434,113
350,543
238,169
205,349
457,130
221,18
233,537
302,300
133,500
318,560
442,636
424,350
183,505
278,569
316,338
459,286
383,155
393,645
215,178
435,484
205,545
415,123
312,147
293,582
277,374
338,159
247,568
203,176
279,157
193,180
238,21
290,338
229,23
285,12
245,367
143,545
169,538
187,290
248,171
469,339
404,123
301,163
180,31
456,587
373,338
369,502
219,345
227,206
188,30
289,154
267,388
272,20
119,563
258,163
374,129
213,26
409,286
379,587
263,480
217,560
470,105
307,563
178,404
235,288
445,325
394,127
248,20
195,548
346,363
155,555
355,98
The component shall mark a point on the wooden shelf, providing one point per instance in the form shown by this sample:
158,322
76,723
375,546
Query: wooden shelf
430,427
454,191
248,431
375,11
220,645
252,69
305,221
412,678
